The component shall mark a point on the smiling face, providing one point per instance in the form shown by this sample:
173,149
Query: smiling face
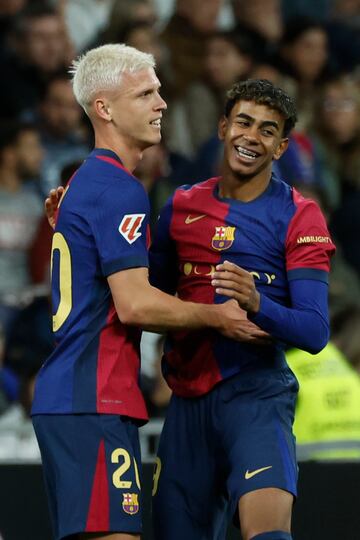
134,110
253,138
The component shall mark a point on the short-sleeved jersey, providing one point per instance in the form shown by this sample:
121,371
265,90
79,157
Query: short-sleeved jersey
102,228
278,237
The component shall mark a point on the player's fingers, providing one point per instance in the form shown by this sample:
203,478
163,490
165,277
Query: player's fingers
231,267
230,276
230,293
240,287
59,192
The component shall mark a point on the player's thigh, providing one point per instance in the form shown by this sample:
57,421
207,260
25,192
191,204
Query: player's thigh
265,510
92,470
188,490
257,414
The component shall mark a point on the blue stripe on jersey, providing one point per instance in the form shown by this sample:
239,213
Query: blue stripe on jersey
252,228
308,273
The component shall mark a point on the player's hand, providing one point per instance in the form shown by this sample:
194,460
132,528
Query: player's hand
235,325
235,282
52,203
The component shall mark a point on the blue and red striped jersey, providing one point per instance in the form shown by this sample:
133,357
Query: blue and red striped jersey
102,228
278,237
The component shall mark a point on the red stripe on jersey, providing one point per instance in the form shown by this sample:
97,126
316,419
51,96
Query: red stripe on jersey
118,370
193,231
197,369
113,161
308,242
148,236
99,511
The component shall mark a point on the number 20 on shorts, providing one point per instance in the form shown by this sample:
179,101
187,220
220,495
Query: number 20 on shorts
120,455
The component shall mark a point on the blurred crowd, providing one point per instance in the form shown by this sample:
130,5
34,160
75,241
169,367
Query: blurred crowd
311,49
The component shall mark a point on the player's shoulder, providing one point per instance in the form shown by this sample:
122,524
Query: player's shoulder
196,190
98,178
291,200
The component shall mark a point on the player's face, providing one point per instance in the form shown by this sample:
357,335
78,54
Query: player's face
136,109
252,138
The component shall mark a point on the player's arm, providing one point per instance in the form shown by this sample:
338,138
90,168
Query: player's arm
308,249
304,325
139,303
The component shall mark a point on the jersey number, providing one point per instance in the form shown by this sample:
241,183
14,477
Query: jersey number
65,281
156,476
120,454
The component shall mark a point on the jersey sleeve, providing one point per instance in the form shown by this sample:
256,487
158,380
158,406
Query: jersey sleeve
308,245
305,324
120,226
163,270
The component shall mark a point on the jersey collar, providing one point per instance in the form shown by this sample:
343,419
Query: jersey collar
104,154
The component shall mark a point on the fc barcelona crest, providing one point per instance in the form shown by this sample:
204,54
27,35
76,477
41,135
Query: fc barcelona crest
223,238
130,503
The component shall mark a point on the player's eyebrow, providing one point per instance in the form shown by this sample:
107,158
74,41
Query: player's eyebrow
265,123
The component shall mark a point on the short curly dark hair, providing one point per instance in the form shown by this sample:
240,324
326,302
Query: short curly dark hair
263,92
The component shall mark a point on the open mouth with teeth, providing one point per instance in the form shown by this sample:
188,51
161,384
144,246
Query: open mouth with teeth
246,154
156,123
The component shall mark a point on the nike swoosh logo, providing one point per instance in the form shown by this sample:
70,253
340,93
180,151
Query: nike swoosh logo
190,219
249,474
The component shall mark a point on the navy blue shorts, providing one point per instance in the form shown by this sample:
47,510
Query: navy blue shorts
215,448
92,472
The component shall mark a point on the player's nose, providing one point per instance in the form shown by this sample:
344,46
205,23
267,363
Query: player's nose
161,104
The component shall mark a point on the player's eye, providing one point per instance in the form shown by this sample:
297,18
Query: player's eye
146,93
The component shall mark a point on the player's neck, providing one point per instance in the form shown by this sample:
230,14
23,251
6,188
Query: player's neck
129,155
245,189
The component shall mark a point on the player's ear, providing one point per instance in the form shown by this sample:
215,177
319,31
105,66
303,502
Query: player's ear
223,122
281,148
102,109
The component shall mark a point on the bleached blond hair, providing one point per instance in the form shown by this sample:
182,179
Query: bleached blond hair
101,69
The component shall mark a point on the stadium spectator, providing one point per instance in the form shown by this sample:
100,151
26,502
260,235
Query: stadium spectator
20,211
143,36
343,26
337,128
185,37
8,10
126,13
192,118
85,20
327,417
305,56
346,329
263,16
338,136
37,49
64,135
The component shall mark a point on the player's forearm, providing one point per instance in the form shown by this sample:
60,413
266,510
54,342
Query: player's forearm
156,311
306,329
